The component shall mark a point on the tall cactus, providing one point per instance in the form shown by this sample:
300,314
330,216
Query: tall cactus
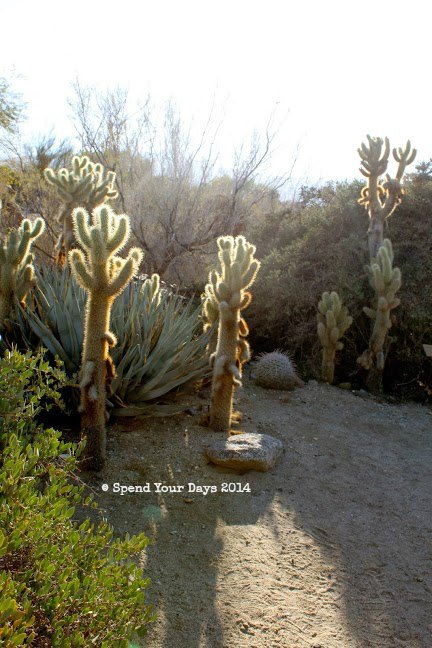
103,275
16,266
333,322
227,292
381,198
86,184
386,281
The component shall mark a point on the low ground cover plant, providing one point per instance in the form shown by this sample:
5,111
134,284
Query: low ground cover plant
63,583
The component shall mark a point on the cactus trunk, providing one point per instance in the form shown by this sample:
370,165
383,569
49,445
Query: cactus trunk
223,384
6,308
93,385
328,364
375,237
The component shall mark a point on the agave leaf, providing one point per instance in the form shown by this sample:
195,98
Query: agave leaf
160,346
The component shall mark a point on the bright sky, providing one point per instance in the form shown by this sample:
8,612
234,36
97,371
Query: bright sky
334,70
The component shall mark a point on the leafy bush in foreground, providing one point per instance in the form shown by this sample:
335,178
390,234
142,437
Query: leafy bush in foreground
63,584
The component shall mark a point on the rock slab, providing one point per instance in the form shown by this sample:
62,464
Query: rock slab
246,452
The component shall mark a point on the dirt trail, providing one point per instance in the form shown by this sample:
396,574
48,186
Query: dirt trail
332,548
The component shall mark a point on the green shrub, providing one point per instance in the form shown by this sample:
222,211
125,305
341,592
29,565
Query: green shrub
63,584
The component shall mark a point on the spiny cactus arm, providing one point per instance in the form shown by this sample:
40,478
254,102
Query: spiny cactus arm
81,229
404,157
124,273
374,163
25,281
80,270
118,235
374,159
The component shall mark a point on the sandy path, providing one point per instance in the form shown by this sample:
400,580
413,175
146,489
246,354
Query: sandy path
333,548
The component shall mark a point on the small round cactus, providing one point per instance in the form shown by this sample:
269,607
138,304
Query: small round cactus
276,371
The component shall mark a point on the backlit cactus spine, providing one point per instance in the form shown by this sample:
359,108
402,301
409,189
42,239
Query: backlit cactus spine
210,317
333,322
227,291
103,275
381,198
87,185
386,281
16,266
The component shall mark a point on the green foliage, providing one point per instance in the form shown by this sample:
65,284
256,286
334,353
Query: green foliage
16,266
160,345
333,322
63,583
226,292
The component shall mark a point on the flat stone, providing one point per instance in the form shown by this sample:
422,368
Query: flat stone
246,452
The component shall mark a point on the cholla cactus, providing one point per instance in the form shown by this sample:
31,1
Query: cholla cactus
386,281
210,317
226,291
103,275
88,185
333,322
381,198
16,266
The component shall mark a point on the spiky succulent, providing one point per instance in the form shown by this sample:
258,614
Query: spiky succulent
86,185
160,345
16,266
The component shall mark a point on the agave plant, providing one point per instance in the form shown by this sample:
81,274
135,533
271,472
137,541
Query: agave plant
160,343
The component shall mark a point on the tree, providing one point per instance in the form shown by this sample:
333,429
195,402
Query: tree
11,106
166,176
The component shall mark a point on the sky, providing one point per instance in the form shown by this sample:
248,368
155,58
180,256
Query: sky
330,72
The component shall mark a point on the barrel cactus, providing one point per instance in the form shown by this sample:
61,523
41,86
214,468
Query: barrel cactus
276,371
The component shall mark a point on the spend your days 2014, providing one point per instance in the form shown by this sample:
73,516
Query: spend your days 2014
159,487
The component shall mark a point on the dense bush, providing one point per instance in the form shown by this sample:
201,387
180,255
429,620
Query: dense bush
320,244
63,584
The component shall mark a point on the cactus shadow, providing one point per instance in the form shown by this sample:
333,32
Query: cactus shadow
184,565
